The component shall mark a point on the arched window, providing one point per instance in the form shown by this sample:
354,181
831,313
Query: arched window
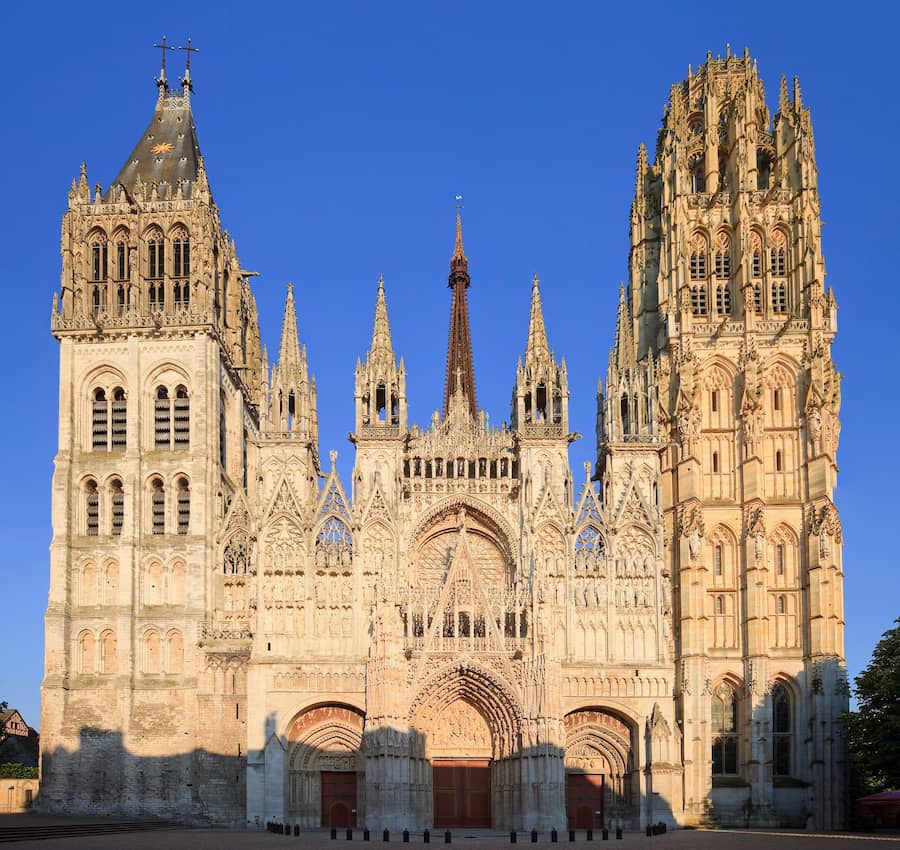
757,298
717,560
720,605
756,255
782,738
779,461
778,254
119,417
181,419
85,649
763,169
99,257
779,560
99,421
723,299
779,297
91,509
184,505
157,506
108,420
111,583
626,418
181,254
715,461
151,653
723,256
724,728
155,255
698,257
697,167
699,306
123,272
780,605
87,590
116,507
108,662
162,419
174,652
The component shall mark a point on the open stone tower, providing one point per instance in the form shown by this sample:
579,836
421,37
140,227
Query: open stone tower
472,637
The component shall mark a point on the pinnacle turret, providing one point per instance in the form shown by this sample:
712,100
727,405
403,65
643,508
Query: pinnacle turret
538,347
381,347
289,352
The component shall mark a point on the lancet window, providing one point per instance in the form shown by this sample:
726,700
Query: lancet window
183,500
155,254
697,167
117,507
778,254
99,257
782,737
91,508
724,727
108,420
172,419
157,506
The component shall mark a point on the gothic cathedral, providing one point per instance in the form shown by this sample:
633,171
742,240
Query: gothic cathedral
475,636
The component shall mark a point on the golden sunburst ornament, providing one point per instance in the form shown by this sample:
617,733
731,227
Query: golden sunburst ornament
162,147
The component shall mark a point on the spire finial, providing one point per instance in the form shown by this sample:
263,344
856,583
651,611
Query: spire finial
161,80
186,79
538,348
459,255
381,331
289,353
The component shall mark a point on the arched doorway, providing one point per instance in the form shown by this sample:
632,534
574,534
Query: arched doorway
465,725
598,764
326,769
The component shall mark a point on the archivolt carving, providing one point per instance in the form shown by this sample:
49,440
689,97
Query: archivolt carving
483,690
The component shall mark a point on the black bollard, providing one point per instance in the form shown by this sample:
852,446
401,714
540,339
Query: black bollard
296,830
571,835
333,833
349,835
427,837
605,834
534,836
554,836
512,836
386,835
406,836
618,832
287,829
589,836
365,835
447,837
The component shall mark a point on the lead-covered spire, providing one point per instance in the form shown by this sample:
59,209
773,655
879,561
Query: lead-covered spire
460,368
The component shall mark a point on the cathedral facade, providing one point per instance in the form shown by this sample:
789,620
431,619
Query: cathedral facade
469,635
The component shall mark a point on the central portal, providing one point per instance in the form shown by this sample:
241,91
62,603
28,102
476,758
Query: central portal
462,793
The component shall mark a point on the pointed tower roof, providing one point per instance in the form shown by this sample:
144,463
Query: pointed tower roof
289,353
538,347
381,348
167,151
624,349
460,368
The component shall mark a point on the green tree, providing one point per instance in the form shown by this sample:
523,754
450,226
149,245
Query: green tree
874,729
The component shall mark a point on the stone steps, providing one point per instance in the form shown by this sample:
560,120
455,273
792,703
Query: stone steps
77,830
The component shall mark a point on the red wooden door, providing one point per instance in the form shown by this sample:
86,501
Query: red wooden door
584,800
338,798
462,794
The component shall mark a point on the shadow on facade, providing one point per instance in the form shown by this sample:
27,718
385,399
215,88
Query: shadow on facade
101,777
779,755
331,769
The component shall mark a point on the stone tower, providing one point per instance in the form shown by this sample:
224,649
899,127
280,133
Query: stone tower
729,312
160,376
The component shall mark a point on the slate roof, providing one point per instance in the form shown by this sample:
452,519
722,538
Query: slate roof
167,151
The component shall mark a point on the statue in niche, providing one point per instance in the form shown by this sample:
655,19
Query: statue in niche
694,539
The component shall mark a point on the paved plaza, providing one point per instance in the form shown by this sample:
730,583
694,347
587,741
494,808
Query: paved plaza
219,839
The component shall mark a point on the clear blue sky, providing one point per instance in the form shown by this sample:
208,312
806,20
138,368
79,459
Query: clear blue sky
336,135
